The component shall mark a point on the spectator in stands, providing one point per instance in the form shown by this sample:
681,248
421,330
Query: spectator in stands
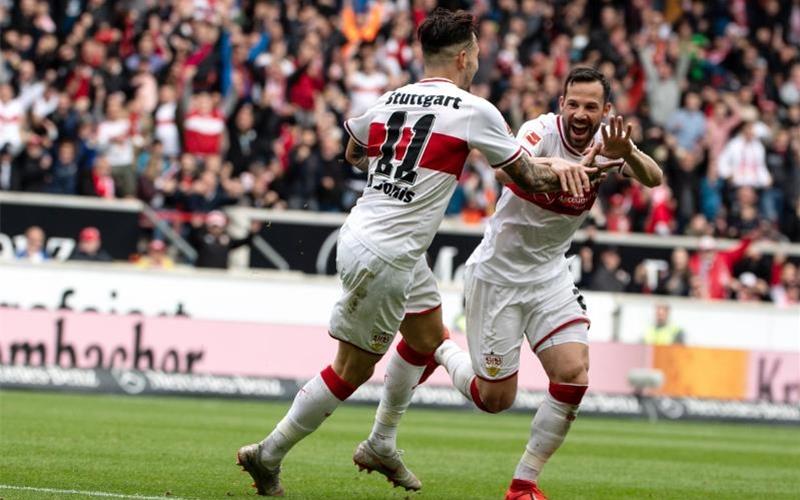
102,181
34,250
245,147
166,127
115,136
330,183
664,82
784,281
714,267
677,280
748,288
790,91
212,242
90,247
34,166
663,332
65,170
688,124
10,176
366,83
204,126
156,257
12,117
743,161
609,276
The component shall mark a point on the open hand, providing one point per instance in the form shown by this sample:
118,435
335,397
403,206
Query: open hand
616,138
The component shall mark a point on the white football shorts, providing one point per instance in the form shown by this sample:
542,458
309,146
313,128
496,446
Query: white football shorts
377,295
499,317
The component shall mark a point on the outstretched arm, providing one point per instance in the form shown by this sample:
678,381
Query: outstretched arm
545,175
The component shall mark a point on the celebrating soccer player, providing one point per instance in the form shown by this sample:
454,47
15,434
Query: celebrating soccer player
517,285
413,142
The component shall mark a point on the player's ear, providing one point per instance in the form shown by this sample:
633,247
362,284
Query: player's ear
607,108
561,102
461,59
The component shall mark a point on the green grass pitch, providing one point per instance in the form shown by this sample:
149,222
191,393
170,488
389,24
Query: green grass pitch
185,448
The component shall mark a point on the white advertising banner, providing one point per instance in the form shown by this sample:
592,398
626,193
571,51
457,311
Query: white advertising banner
297,299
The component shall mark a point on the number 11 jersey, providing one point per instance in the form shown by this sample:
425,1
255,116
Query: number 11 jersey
417,139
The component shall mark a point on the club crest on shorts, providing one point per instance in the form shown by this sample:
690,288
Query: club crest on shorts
492,362
379,341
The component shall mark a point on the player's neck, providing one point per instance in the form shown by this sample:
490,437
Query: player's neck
441,73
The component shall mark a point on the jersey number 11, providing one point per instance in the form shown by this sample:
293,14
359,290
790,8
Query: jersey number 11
406,172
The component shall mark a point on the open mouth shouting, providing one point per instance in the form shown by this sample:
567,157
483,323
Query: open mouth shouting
580,132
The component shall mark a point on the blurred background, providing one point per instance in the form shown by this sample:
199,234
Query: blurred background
172,182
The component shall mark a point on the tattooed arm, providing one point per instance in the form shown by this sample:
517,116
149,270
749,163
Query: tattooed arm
543,175
356,155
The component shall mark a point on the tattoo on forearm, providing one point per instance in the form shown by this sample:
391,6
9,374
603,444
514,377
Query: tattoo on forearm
533,176
359,157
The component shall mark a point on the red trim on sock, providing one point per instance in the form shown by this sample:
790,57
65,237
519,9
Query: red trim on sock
337,385
521,485
476,396
496,380
561,327
426,311
411,356
568,393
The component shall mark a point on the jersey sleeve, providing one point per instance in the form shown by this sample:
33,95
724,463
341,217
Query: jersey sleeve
358,127
530,136
487,132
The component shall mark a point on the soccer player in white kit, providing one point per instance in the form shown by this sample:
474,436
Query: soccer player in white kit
517,285
413,142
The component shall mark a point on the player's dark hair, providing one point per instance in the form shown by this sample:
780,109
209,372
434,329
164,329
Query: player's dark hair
444,28
585,74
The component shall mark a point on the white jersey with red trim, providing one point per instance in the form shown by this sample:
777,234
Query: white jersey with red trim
526,239
417,139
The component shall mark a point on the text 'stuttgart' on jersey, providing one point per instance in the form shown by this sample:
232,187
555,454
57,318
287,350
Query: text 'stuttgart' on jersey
417,139
527,237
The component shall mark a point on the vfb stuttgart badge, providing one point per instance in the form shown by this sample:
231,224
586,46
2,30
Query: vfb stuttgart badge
493,362
380,341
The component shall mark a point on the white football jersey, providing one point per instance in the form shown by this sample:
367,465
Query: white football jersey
526,239
417,139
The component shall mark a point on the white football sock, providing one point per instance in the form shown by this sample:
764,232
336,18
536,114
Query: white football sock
548,430
458,365
316,401
402,374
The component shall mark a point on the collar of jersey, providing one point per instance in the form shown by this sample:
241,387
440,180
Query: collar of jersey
436,79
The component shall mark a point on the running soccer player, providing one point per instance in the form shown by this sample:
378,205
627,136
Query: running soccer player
413,142
517,284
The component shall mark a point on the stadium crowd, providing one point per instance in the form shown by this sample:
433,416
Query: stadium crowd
193,105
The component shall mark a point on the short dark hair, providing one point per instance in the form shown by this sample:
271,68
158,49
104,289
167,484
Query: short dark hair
585,74
444,28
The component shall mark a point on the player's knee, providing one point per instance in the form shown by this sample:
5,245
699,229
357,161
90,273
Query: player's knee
427,341
495,402
576,372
